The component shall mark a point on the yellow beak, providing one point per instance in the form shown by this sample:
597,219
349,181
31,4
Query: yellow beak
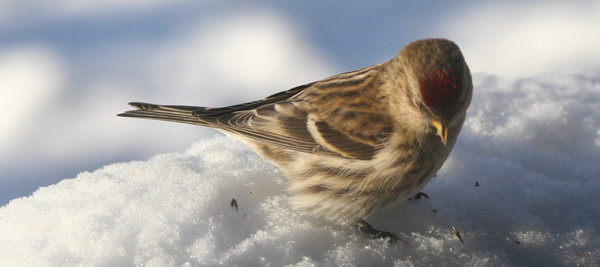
442,129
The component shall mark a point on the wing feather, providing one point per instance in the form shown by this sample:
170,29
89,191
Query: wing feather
292,120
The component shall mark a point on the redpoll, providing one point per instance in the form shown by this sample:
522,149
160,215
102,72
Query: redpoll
356,142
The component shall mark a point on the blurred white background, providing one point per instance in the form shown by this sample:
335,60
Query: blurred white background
68,67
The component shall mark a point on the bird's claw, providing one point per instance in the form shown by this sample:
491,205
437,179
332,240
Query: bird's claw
366,228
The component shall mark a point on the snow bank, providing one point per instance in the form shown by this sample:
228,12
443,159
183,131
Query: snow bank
521,187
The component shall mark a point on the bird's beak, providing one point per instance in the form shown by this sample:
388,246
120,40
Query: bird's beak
442,129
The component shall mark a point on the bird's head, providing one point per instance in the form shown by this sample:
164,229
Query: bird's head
440,81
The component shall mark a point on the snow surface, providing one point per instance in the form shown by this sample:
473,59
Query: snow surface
531,145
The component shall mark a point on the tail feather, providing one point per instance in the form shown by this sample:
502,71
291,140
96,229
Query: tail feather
183,114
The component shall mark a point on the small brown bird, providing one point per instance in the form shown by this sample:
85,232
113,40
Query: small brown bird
356,142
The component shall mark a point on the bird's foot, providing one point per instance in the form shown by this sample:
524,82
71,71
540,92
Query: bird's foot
366,228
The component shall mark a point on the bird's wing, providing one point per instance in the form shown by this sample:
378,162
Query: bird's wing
193,114
287,126
284,95
293,120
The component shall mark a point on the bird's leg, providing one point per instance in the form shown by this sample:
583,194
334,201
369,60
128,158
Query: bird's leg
365,227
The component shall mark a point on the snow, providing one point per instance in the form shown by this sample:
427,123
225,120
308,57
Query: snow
532,146
531,141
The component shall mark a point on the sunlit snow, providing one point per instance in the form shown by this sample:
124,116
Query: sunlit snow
521,187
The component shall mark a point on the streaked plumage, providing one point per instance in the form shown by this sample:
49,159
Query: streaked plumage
355,142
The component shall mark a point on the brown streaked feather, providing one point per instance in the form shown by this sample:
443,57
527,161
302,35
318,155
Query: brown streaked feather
340,143
356,109
282,120
191,114
267,125
281,96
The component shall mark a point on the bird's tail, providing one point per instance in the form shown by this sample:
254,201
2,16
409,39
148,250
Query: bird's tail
183,114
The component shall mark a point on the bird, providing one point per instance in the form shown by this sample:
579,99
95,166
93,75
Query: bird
354,143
